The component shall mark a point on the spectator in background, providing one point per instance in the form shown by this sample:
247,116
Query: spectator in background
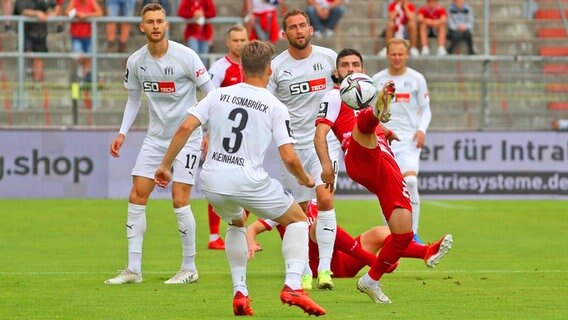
261,19
119,8
432,20
79,11
402,24
324,16
7,10
198,35
460,25
35,34
560,125
164,3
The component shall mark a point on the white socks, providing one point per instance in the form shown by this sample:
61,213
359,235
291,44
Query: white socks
326,230
135,229
186,229
295,252
412,185
236,249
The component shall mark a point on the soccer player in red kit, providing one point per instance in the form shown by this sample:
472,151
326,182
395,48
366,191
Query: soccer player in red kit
350,255
369,162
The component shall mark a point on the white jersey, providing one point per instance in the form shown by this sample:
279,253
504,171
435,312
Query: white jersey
262,6
169,84
300,85
242,121
411,98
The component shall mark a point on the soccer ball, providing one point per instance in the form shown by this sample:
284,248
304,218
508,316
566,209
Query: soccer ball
357,91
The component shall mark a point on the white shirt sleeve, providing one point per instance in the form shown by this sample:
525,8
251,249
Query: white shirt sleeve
425,119
207,86
281,130
202,110
130,110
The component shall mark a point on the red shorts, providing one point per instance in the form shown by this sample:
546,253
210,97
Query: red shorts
376,170
342,264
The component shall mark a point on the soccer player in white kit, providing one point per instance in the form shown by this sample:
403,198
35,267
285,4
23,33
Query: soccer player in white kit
243,119
225,72
301,76
410,118
168,73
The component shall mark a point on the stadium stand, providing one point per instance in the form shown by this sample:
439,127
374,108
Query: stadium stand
516,81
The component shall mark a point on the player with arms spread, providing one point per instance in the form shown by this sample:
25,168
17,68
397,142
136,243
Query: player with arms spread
369,162
168,73
302,75
243,119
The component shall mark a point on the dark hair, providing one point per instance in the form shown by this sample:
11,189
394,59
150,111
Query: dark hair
348,52
291,13
344,53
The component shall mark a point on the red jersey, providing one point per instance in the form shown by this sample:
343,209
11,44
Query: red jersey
401,17
432,13
225,72
187,10
341,118
81,29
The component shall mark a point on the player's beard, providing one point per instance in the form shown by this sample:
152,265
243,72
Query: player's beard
294,43
151,38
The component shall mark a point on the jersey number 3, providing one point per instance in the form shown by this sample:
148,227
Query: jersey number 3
236,130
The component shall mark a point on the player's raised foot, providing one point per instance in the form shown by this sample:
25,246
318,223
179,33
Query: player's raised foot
437,250
241,305
307,281
375,292
218,244
301,299
324,280
382,107
125,276
183,276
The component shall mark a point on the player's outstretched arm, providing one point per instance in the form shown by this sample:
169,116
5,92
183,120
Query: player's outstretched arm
253,230
163,174
294,165
320,142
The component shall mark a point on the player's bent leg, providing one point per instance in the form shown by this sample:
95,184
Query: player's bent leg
236,251
326,231
295,252
438,250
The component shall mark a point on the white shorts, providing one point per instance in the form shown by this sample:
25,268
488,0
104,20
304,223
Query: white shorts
184,167
407,155
268,201
312,166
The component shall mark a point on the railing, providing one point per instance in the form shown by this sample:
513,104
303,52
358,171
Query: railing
95,55
470,92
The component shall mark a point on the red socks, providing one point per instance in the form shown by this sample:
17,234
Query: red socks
366,121
344,242
392,250
214,220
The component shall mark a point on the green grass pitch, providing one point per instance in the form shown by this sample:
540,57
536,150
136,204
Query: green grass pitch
509,261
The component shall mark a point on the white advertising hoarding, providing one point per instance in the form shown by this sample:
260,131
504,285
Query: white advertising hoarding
76,164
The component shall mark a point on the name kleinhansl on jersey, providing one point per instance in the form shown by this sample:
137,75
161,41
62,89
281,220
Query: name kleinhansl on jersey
244,102
227,158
